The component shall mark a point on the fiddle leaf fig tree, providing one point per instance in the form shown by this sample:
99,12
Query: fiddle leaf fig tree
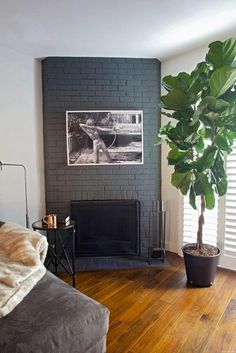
202,105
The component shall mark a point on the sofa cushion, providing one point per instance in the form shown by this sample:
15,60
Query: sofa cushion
53,318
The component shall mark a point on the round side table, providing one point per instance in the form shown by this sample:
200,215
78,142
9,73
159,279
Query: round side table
59,240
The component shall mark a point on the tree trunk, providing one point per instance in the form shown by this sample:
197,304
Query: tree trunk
201,222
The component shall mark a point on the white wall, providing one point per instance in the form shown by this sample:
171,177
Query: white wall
21,136
171,195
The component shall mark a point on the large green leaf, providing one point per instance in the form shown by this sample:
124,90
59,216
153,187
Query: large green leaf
192,198
175,156
203,187
230,96
221,187
228,117
180,82
175,100
182,181
181,135
179,142
226,120
223,143
163,132
218,174
182,129
207,159
175,134
199,81
207,121
209,197
222,53
221,80
183,115
193,138
198,187
216,104
198,112
184,167
231,135
201,72
218,168
196,116
200,145
231,109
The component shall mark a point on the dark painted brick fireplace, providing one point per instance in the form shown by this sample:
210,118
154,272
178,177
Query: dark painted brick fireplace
71,83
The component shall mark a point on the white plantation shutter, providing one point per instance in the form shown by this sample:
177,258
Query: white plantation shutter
190,224
229,241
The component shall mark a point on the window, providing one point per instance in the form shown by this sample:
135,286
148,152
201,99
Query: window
220,223
229,239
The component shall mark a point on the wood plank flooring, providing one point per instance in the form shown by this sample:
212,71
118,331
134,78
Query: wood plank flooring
155,311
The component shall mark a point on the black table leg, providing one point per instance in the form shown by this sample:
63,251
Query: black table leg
59,246
73,256
55,249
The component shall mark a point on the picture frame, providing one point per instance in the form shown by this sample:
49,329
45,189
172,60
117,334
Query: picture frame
104,137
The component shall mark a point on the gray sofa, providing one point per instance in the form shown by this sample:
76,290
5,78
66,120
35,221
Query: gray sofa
55,318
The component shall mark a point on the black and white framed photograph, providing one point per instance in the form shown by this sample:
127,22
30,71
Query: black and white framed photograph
103,137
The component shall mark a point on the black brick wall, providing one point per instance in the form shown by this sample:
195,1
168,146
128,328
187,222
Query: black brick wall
96,84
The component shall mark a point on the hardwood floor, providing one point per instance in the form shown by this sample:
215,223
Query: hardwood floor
155,311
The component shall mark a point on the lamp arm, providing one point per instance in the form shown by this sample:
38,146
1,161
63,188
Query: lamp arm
25,185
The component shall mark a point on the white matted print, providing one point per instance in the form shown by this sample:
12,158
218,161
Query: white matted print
103,137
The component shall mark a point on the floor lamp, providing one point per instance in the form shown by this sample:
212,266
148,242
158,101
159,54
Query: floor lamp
25,182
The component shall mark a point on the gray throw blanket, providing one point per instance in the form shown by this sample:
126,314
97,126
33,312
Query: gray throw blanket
22,254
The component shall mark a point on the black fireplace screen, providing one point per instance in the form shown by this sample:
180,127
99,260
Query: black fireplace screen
106,227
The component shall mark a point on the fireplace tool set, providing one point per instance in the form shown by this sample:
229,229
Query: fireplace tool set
157,230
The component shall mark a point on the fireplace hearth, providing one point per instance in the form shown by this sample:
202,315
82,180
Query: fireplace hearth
107,227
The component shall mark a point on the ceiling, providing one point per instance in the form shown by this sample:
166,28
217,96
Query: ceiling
115,28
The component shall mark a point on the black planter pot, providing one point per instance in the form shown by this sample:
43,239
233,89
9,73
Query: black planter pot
200,270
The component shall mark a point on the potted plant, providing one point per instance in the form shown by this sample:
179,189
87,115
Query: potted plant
203,106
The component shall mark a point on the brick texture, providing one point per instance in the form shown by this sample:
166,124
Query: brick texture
96,84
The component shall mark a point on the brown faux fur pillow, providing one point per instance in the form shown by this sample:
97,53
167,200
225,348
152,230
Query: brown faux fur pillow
19,244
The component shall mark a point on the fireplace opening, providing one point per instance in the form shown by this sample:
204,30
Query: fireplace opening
106,227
